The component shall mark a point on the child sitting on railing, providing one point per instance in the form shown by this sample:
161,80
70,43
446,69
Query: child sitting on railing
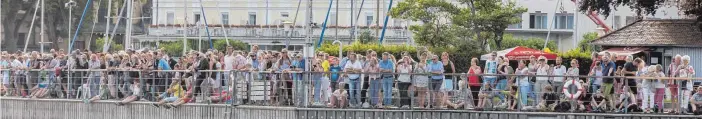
548,100
136,94
485,95
171,95
338,99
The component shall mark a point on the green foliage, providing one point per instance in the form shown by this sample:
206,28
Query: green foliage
98,45
221,44
584,49
365,37
361,48
585,45
490,16
174,48
535,43
604,7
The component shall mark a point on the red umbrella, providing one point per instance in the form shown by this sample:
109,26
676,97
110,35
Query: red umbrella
521,53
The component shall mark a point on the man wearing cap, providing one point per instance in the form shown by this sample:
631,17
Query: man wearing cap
386,67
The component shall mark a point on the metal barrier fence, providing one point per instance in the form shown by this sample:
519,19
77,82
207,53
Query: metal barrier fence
169,89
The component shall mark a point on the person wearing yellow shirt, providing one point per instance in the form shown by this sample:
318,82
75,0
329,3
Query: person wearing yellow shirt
171,95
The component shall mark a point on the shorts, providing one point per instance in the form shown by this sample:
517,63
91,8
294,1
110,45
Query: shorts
447,85
673,91
5,79
170,99
435,85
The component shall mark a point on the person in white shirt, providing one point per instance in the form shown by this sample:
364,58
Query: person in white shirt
558,70
353,67
228,65
491,68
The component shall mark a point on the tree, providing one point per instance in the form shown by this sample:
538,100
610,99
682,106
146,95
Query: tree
490,17
56,20
510,41
430,13
642,7
365,37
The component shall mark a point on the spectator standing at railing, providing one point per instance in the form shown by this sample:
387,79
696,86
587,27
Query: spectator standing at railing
672,84
32,63
608,69
645,85
491,69
474,80
559,70
659,85
523,83
372,69
630,69
94,75
685,72
448,83
112,80
228,64
386,67
541,80
366,83
4,64
284,65
404,81
421,79
504,82
436,68
335,76
19,73
353,67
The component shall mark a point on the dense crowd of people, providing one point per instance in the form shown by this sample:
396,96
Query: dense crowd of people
366,80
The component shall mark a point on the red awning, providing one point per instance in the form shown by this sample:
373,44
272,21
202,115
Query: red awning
521,53
622,52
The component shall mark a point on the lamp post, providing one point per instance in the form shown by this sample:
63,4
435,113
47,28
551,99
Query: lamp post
340,47
70,5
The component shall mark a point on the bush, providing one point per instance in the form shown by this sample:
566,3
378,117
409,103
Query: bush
360,48
509,41
99,42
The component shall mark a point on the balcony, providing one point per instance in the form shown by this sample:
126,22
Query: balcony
271,32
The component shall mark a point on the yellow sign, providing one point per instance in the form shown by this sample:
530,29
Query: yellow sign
547,50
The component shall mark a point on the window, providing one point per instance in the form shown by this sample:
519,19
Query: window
617,22
564,21
332,19
225,18
284,14
170,18
516,25
369,19
538,20
397,22
197,17
252,18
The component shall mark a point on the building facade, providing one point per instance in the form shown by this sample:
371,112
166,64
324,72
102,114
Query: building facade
267,22
567,26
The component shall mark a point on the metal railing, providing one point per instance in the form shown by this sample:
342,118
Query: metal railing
370,90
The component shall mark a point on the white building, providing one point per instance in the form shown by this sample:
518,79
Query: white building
262,22
568,22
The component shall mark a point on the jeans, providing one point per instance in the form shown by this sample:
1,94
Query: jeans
94,85
594,88
354,91
387,90
300,90
501,85
317,89
374,88
524,92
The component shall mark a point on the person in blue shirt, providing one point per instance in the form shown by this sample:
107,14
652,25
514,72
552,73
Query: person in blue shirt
386,67
335,75
436,68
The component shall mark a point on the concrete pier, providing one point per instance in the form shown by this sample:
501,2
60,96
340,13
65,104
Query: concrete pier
17,108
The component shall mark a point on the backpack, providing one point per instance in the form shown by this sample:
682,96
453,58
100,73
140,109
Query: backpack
562,107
